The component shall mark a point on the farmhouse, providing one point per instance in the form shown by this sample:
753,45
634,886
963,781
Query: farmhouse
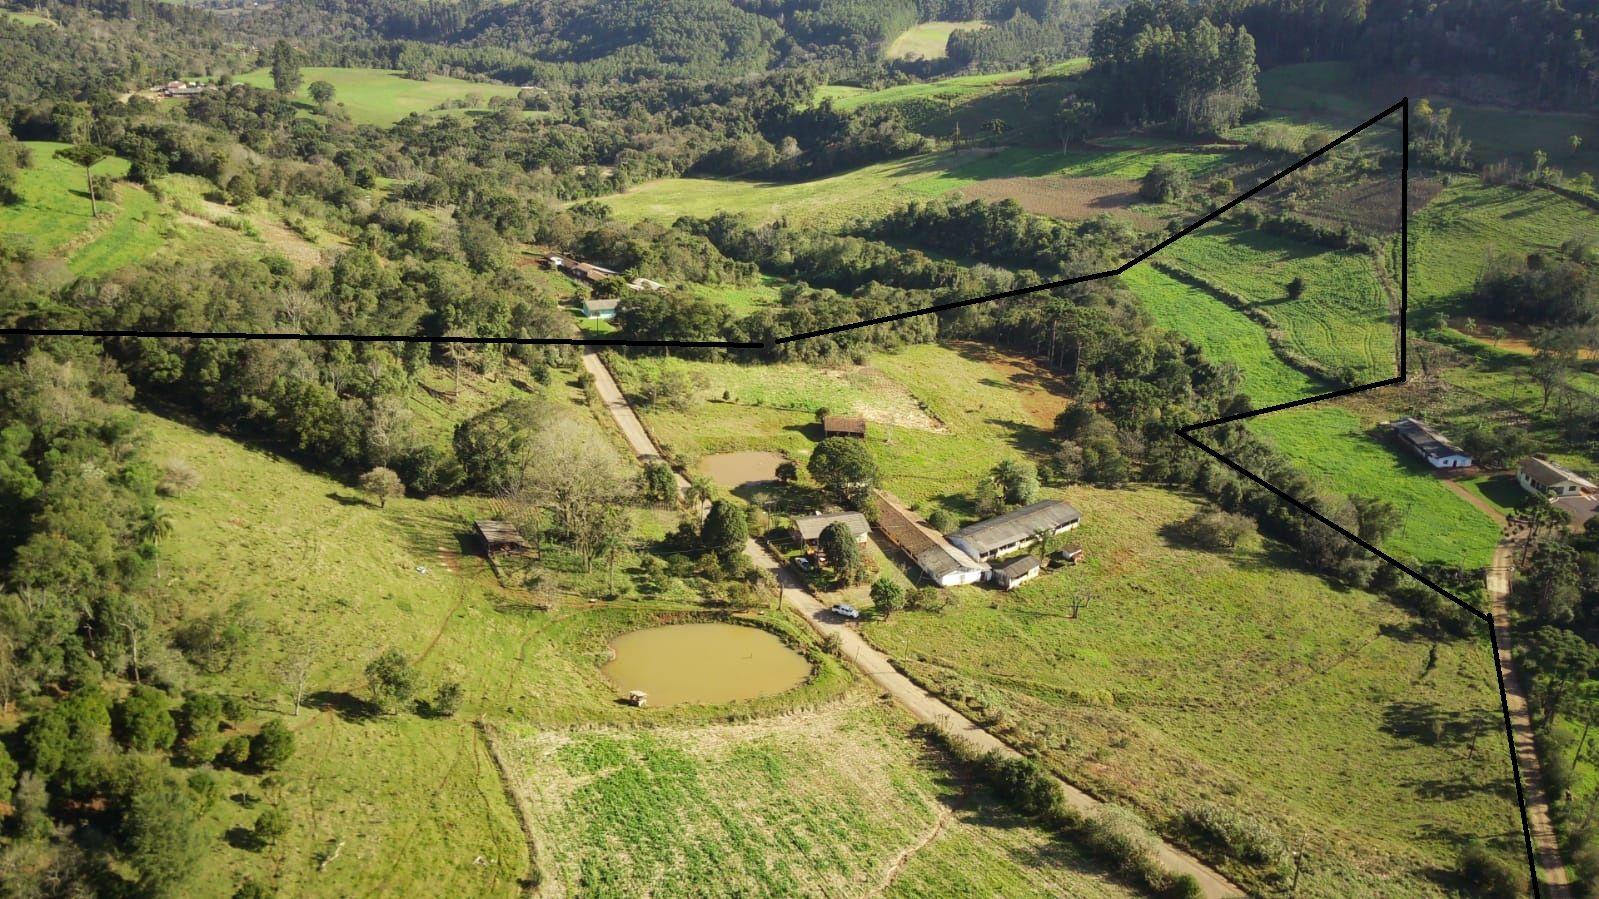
1542,477
1016,572
1004,534
808,529
944,565
184,89
843,426
1430,445
594,307
500,537
584,271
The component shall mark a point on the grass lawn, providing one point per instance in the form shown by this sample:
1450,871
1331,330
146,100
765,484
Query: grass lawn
384,96
928,40
1342,319
54,215
832,801
1224,333
1341,453
743,298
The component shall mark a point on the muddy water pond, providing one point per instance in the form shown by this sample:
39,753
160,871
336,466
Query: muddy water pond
737,469
703,664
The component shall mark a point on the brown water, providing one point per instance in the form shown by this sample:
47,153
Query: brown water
703,663
738,469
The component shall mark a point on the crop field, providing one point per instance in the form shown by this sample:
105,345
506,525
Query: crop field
1345,454
927,40
1341,320
773,807
383,96
54,214
1233,678
1224,333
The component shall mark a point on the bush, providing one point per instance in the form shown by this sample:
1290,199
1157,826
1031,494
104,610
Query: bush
142,722
1164,183
235,751
269,828
1215,530
447,701
1485,874
272,746
177,478
1238,835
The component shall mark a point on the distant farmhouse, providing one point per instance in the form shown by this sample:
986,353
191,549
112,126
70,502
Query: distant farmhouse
1430,445
1005,534
591,274
1541,477
843,426
943,563
183,89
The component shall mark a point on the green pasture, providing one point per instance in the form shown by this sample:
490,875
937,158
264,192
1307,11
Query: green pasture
743,298
384,96
928,40
54,214
1224,333
956,89
1342,318
27,18
1233,678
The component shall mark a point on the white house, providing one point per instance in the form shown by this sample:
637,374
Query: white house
944,565
1541,477
1430,445
594,307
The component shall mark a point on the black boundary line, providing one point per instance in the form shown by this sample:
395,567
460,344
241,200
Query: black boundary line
1187,434
1402,106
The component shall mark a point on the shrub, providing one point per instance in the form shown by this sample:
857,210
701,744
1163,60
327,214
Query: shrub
272,746
392,681
1238,835
269,828
1164,183
1215,530
177,478
235,751
142,721
1485,874
1119,835
447,701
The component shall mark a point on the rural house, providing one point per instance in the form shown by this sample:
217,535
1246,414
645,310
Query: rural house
944,565
1541,477
808,529
500,537
1018,571
1429,444
843,426
1004,534
594,307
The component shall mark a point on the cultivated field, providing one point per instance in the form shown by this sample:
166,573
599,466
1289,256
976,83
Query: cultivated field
927,40
383,96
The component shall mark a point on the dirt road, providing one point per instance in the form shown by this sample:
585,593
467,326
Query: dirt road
1546,847
921,704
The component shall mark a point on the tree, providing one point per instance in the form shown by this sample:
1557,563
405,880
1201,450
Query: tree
272,746
725,530
943,520
382,483
888,597
1073,119
844,466
88,156
1164,183
1557,660
142,721
1216,530
447,701
1296,287
1575,143
285,68
159,833
8,778
699,491
843,554
321,92
1036,66
1376,517
1017,480
392,680
269,828
660,484
1486,874
787,471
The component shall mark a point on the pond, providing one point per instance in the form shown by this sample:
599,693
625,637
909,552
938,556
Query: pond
737,469
703,663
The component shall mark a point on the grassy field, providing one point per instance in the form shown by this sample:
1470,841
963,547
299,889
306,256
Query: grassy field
836,801
743,298
1342,319
954,90
54,215
928,40
1192,676
1224,333
383,96
27,18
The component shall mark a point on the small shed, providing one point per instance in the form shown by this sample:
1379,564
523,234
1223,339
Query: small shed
500,537
1071,554
843,426
1018,571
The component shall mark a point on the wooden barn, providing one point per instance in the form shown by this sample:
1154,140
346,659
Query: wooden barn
843,426
500,537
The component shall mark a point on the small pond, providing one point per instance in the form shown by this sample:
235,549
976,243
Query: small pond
703,664
737,469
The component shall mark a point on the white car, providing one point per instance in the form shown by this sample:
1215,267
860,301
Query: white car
845,610
802,563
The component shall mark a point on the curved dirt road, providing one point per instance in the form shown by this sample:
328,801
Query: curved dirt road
922,705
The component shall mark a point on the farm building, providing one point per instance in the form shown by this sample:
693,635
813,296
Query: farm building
645,284
184,89
1018,571
1429,444
1071,554
944,565
1004,534
594,307
500,537
1542,477
808,529
843,426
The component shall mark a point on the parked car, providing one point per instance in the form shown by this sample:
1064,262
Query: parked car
803,564
845,610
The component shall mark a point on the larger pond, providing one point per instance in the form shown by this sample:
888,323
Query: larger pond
703,663
737,469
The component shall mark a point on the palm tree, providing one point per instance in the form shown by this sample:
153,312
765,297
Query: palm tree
157,526
698,493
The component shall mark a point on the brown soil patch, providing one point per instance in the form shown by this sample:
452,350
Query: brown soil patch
1043,393
1372,205
1066,198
